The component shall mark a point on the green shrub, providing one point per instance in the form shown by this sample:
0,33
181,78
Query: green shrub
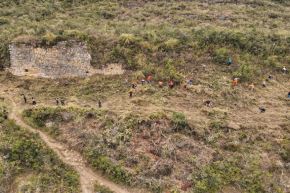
40,116
244,73
3,21
102,189
285,152
25,153
171,44
179,121
214,177
100,162
128,39
221,55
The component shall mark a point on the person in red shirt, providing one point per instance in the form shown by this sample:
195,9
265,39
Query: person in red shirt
149,78
160,83
171,84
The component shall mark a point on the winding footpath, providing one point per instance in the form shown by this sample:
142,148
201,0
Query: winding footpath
87,176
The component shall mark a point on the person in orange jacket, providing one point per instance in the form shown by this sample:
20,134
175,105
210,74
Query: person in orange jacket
235,82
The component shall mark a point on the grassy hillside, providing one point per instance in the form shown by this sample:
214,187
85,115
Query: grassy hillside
161,139
152,34
26,165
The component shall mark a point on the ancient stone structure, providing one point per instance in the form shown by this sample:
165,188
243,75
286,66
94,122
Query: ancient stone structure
63,60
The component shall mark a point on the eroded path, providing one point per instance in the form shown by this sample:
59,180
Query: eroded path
87,176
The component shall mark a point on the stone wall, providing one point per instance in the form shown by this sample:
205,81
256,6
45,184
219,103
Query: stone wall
64,60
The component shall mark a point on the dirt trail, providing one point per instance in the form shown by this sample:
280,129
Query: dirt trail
87,176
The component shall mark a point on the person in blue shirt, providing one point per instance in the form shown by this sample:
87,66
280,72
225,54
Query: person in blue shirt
229,61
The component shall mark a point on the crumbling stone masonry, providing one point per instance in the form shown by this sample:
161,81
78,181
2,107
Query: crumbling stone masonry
64,60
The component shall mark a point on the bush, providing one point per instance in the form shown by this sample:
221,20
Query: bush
49,38
40,116
25,153
169,72
128,39
171,44
100,162
285,152
3,21
245,72
102,189
221,55
179,121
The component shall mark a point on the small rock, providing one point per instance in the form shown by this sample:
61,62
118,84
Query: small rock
234,126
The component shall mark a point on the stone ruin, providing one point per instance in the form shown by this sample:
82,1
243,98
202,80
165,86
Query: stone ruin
66,59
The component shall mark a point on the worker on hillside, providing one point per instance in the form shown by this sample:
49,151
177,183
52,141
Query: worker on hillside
190,82
33,101
252,86
262,109
100,104
270,77
185,85
24,98
126,81
284,70
143,81
235,82
160,84
57,101
62,102
149,79
5,114
264,84
131,93
229,61
134,85
289,95
208,103
171,84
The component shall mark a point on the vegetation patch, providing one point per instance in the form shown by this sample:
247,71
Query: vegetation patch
23,152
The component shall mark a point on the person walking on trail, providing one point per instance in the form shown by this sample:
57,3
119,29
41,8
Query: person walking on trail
252,86
229,61
171,84
33,101
24,98
131,93
235,82
284,70
160,84
100,104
